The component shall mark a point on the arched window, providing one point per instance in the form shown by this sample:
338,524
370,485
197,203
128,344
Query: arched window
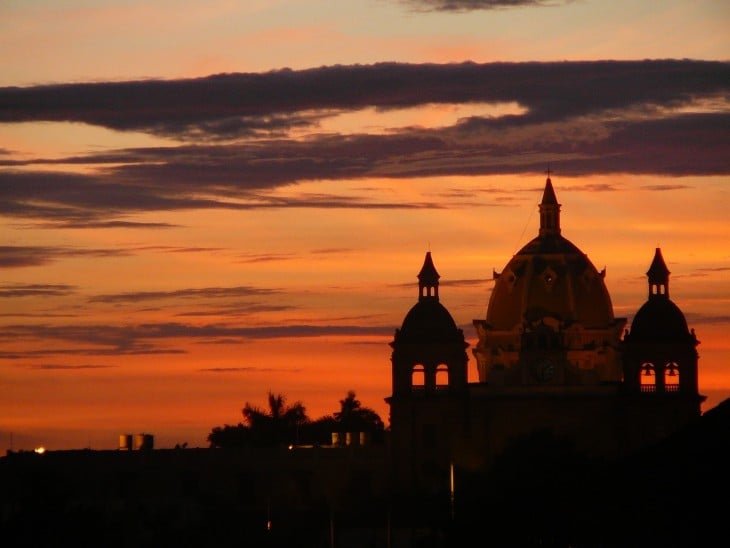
647,377
418,377
442,376
671,377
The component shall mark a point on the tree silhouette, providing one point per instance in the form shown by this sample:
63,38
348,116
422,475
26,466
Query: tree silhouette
353,417
280,424
285,424
229,436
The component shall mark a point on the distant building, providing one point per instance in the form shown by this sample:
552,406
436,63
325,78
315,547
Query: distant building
551,359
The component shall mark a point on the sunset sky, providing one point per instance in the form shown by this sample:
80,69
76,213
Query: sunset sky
204,201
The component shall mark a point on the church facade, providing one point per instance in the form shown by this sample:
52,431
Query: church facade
552,360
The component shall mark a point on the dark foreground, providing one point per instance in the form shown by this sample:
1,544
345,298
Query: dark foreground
673,495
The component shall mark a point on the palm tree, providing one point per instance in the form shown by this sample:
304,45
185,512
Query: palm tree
353,417
284,424
280,424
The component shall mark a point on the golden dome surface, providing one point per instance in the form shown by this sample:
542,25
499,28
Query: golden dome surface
549,277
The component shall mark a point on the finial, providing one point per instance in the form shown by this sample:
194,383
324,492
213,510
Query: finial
549,209
428,279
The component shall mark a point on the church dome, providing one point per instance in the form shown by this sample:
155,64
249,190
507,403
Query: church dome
659,320
428,320
549,277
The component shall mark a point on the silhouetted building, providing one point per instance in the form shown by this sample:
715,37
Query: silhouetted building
551,361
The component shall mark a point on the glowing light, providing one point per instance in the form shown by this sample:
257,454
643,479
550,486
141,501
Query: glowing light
40,450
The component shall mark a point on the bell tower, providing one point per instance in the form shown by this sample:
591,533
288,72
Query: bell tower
660,386
660,355
430,390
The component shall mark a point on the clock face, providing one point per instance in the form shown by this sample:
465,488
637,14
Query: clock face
545,370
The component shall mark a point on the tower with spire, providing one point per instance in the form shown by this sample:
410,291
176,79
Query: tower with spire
549,210
429,385
660,351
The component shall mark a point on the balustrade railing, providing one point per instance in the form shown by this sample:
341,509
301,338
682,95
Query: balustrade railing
648,388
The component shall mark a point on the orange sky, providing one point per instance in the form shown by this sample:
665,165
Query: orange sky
172,249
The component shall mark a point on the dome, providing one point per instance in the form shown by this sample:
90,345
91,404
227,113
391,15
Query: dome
549,277
659,320
429,321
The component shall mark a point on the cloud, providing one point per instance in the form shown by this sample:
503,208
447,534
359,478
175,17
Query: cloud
151,338
717,269
594,187
205,292
112,224
331,250
664,188
707,319
476,5
235,309
549,91
28,256
470,282
35,290
270,257
666,117
178,249
69,367
464,282
75,200
251,369
137,350
23,256
44,315
275,257
84,201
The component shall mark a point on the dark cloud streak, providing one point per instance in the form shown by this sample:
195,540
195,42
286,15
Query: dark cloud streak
661,117
251,369
36,290
109,340
69,367
196,293
475,5
23,256
71,200
550,91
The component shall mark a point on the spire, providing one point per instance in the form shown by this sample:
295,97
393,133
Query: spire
549,210
658,275
428,279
